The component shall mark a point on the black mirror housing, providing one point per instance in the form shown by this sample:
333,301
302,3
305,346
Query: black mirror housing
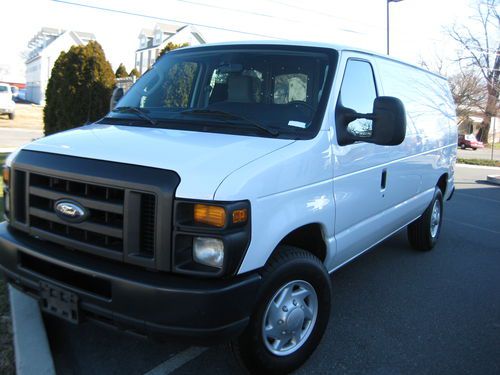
388,123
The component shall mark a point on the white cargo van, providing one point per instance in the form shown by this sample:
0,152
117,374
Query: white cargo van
7,104
224,188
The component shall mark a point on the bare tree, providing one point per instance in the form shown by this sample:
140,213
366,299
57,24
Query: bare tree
469,93
480,52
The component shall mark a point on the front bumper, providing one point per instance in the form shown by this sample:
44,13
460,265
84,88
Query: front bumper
6,110
128,296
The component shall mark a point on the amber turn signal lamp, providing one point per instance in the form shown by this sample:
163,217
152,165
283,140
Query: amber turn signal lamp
6,175
211,215
240,216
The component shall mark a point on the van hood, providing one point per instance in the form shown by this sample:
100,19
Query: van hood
202,160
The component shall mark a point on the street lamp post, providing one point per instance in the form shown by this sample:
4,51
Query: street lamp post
387,18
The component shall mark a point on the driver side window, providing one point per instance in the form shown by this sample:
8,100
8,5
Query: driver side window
358,92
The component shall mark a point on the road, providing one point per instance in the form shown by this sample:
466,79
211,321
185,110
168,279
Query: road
11,138
484,153
395,310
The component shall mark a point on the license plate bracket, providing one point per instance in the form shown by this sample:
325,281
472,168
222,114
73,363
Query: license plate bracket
59,302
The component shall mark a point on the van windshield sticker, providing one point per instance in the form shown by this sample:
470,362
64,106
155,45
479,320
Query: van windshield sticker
297,124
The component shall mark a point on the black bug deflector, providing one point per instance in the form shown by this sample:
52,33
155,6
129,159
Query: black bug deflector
130,207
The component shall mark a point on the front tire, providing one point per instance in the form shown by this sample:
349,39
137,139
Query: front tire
11,116
424,232
291,315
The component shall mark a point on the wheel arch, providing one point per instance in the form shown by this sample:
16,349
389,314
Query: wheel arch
308,237
442,183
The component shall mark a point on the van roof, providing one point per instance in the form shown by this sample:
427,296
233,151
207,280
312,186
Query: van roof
338,47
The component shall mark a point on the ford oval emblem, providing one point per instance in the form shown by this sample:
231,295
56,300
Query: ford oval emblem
70,211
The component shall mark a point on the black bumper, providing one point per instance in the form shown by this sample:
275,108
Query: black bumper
128,296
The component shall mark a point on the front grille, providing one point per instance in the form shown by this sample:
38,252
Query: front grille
147,239
124,214
104,226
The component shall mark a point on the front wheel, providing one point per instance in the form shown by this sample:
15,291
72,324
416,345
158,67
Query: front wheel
424,232
11,116
462,146
291,315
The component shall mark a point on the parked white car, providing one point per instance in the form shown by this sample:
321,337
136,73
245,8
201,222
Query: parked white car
7,105
217,197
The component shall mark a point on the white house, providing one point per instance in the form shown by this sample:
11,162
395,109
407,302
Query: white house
45,47
151,42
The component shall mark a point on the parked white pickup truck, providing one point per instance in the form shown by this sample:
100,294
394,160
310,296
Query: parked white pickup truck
7,105
222,190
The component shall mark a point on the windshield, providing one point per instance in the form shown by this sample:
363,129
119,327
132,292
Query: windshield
261,90
3,88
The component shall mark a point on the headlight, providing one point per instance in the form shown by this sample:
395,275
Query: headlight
7,202
6,175
208,251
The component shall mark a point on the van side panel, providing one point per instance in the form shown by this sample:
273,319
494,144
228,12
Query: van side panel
430,118
376,187
366,213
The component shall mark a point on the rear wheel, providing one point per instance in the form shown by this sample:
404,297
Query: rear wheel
291,315
424,232
474,148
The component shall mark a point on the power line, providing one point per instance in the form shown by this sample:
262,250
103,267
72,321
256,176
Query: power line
236,10
323,14
166,19
259,14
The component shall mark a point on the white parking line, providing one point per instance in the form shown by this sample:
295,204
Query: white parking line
177,361
476,197
471,226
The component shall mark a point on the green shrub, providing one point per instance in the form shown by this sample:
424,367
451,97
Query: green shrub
79,88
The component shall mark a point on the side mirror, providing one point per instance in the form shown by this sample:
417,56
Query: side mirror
385,126
115,97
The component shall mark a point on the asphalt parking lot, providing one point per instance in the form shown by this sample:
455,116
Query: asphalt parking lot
395,311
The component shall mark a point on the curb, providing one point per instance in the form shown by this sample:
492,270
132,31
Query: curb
493,179
475,166
31,345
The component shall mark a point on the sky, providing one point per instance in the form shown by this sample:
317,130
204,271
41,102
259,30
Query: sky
416,26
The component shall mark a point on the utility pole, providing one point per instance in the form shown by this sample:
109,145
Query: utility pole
387,18
494,134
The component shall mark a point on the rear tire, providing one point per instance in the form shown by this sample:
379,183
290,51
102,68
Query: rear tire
291,315
474,148
424,232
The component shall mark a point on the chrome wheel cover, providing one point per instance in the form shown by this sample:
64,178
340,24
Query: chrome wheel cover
290,317
435,218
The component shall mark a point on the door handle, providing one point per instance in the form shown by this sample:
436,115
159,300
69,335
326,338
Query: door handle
383,180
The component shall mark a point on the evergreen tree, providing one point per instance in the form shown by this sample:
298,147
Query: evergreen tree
79,88
121,72
134,73
171,46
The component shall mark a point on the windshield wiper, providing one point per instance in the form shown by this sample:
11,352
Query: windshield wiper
138,111
214,112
